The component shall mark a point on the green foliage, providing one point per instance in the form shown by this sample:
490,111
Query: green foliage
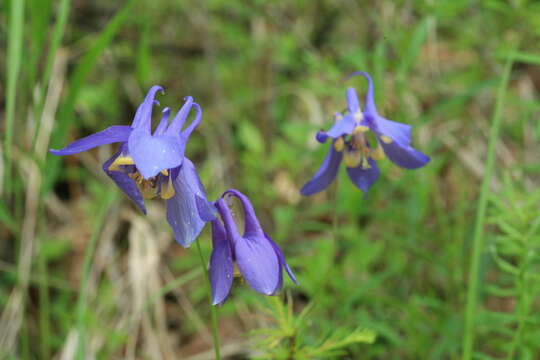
268,75
508,324
289,339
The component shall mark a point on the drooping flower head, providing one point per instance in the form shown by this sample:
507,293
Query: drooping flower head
351,145
259,259
149,165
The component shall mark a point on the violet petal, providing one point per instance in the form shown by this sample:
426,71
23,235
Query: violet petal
124,182
404,156
221,270
182,213
153,154
258,263
113,134
364,178
326,173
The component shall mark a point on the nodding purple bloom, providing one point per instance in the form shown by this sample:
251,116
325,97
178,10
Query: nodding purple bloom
350,144
257,256
149,165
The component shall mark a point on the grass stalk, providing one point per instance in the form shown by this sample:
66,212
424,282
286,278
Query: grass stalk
44,308
213,311
14,55
82,303
478,237
58,34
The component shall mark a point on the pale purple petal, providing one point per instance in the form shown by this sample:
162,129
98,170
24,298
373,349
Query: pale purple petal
180,118
344,126
281,258
221,270
258,263
124,182
198,115
364,178
207,211
143,116
326,173
396,131
352,101
182,213
370,109
152,154
252,225
163,123
404,156
228,221
113,134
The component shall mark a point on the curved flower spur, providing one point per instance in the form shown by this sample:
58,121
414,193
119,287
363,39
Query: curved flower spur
350,144
153,165
259,259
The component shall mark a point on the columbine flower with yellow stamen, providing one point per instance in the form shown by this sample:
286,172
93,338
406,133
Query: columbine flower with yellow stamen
351,145
149,165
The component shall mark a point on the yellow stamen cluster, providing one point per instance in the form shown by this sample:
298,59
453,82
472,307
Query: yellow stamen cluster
377,153
356,151
339,144
352,158
147,187
360,129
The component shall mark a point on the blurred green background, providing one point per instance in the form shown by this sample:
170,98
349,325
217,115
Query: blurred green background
82,272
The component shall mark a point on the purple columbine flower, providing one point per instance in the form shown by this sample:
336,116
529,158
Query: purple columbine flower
153,165
257,256
350,144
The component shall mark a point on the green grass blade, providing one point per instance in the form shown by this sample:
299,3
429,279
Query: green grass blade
58,34
44,307
478,237
143,53
525,57
82,303
56,40
14,55
413,49
38,17
77,80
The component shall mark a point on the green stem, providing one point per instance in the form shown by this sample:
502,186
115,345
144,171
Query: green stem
478,238
335,217
82,305
44,311
213,312
14,56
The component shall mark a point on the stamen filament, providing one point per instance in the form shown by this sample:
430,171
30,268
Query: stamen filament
167,190
339,144
121,160
378,153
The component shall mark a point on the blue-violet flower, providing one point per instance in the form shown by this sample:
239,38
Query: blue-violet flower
153,165
258,257
350,144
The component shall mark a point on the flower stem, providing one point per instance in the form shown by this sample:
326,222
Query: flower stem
478,239
213,311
